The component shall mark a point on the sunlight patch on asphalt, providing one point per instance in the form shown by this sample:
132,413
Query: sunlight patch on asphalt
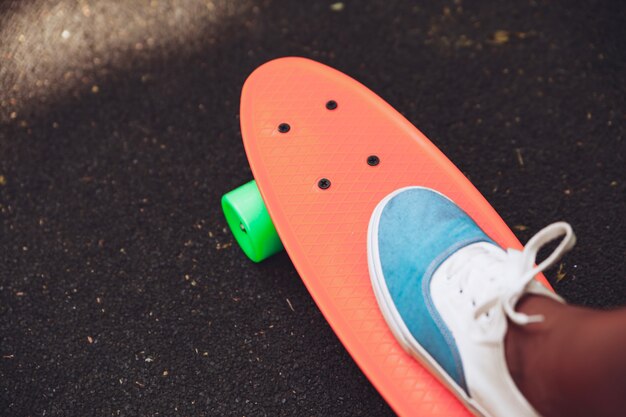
57,47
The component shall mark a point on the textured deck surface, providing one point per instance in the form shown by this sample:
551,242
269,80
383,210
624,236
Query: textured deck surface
324,230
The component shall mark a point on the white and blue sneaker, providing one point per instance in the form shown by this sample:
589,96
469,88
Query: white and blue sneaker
446,291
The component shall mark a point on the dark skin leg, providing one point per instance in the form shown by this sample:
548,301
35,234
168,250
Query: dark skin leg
571,364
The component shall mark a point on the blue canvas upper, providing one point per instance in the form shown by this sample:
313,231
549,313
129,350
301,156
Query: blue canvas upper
418,230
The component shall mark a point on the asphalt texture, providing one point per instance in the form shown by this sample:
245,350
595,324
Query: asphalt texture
121,291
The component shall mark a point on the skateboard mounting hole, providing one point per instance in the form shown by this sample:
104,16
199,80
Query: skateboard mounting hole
373,160
284,128
331,104
324,183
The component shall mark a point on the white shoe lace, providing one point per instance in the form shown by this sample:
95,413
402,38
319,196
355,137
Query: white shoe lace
494,279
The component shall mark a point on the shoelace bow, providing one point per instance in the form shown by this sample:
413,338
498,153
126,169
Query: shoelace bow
521,270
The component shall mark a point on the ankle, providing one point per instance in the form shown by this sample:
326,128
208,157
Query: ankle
532,351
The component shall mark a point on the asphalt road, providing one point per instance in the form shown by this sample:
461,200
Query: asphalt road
121,291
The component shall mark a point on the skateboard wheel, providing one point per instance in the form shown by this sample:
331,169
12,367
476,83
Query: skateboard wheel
250,222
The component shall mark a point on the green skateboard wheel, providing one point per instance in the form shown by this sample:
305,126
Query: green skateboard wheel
250,222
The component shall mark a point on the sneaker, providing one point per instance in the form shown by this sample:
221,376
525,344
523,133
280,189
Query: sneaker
446,290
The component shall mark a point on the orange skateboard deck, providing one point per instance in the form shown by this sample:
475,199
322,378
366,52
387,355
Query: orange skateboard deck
324,150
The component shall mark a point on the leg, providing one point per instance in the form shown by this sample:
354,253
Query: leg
571,364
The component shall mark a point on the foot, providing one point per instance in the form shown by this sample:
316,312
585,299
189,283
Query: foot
448,291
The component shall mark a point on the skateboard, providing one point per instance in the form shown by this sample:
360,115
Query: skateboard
324,150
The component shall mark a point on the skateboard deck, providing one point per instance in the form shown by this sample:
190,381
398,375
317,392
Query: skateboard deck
324,150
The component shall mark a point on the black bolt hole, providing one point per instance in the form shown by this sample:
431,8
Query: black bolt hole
284,128
373,160
331,105
324,183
